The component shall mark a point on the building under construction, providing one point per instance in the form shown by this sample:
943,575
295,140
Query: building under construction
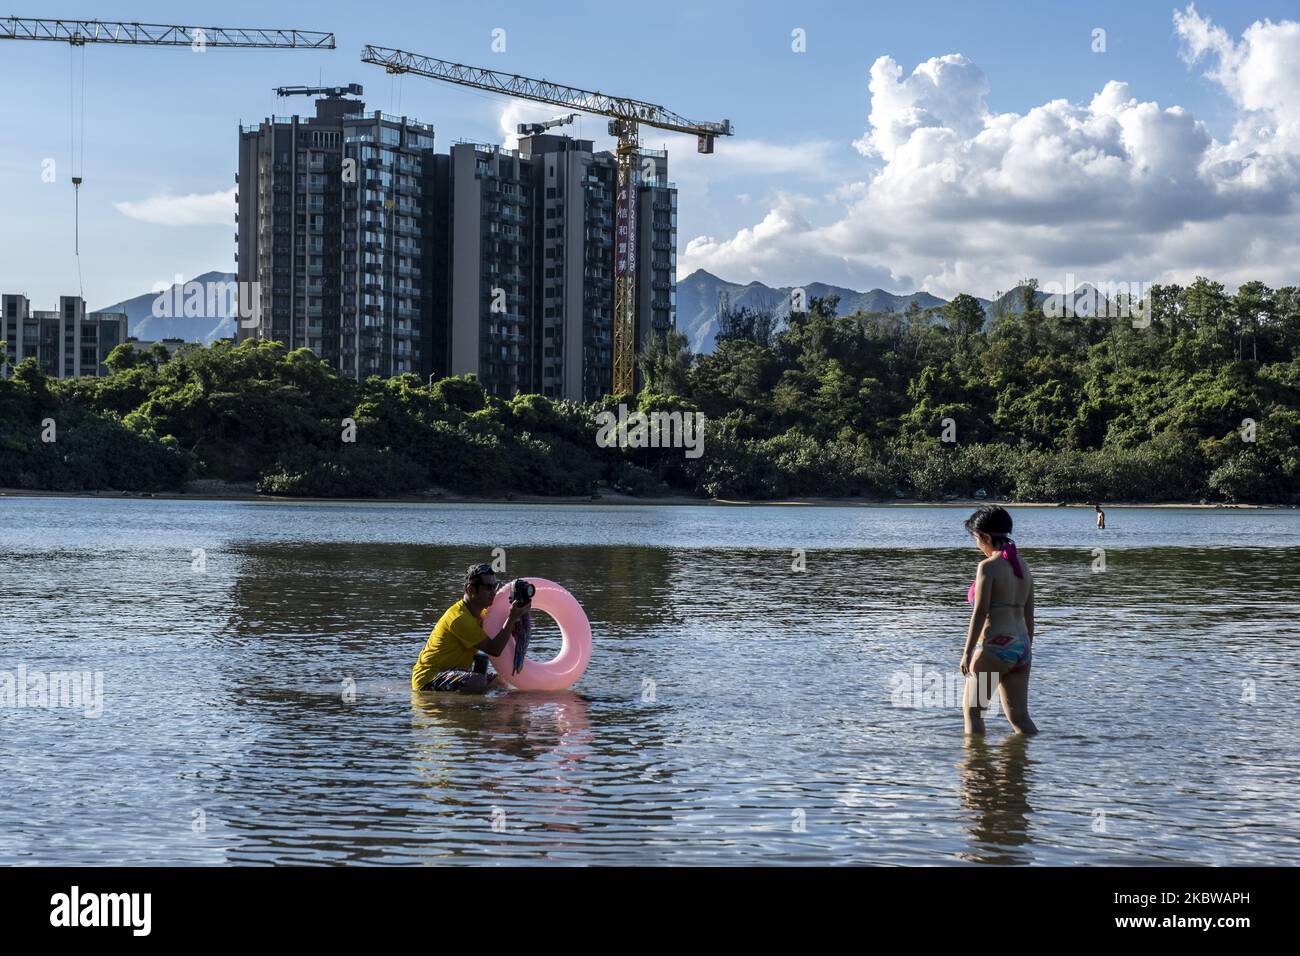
384,256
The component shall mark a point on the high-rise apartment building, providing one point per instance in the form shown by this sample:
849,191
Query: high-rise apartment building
68,343
334,225
532,264
385,257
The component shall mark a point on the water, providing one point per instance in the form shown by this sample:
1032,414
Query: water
734,711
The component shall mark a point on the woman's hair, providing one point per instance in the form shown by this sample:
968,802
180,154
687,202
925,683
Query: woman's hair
992,521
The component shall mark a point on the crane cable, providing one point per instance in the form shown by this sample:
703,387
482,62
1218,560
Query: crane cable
75,162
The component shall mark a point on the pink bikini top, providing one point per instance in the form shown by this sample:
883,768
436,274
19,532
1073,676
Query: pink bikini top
1009,553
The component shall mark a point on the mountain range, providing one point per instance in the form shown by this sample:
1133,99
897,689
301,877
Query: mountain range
698,298
697,303
205,326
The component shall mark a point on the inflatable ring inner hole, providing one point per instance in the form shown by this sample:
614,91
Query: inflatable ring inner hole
545,641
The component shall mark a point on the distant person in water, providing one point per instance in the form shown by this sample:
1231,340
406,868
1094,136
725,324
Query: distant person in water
455,656
1101,517
1000,638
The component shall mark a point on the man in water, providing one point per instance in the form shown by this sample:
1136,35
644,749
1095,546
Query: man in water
1101,516
459,643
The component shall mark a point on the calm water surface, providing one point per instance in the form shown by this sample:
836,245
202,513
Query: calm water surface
735,711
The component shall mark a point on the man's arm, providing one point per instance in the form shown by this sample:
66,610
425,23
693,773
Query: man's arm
495,645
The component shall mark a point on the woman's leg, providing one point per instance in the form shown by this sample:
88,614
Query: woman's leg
985,674
1014,687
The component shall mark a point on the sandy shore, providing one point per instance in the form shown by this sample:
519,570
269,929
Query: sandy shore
211,490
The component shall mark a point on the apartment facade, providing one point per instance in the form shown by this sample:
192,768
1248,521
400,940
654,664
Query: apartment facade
67,343
335,216
532,263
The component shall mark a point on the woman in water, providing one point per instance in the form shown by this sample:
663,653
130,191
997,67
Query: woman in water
1001,633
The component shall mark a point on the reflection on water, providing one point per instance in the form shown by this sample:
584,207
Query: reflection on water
995,793
735,711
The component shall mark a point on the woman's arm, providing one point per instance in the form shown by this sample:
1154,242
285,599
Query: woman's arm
978,615
1029,610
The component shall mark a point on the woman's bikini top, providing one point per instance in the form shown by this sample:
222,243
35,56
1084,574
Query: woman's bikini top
1009,553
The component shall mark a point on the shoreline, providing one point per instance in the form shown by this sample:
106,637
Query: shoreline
222,491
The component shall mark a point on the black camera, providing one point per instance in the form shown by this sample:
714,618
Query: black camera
523,592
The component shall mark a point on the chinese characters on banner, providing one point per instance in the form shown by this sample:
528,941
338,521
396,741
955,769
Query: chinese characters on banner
625,226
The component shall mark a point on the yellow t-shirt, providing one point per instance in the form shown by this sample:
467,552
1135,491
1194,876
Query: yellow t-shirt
450,646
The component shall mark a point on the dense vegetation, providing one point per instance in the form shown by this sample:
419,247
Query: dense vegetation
1040,409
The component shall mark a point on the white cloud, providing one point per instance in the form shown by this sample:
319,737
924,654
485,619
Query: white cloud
195,209
1116,188
526,111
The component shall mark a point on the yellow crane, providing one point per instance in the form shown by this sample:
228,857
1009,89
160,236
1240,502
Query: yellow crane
626,118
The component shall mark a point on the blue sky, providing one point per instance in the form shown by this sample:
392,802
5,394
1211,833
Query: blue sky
790,199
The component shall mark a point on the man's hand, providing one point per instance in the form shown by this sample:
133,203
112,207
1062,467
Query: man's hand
517,611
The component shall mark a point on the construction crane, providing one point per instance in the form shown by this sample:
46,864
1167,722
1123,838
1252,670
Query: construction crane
77,33
626,118
329,92
535,129
81,32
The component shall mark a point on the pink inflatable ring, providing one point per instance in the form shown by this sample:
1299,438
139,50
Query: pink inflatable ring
567,667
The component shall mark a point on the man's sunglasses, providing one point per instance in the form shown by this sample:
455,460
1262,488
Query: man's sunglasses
472,577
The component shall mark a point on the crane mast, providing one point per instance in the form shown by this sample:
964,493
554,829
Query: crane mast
626,117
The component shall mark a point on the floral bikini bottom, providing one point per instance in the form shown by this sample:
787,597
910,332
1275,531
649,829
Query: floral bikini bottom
1014,649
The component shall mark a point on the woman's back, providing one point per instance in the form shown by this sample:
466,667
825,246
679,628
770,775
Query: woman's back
1008,595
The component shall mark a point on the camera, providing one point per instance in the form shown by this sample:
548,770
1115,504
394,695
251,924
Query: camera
523,592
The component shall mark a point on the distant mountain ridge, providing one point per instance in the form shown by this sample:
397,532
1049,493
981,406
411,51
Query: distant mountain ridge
697,306
697,302
205,327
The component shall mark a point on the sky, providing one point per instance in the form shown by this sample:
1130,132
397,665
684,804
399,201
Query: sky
945,146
